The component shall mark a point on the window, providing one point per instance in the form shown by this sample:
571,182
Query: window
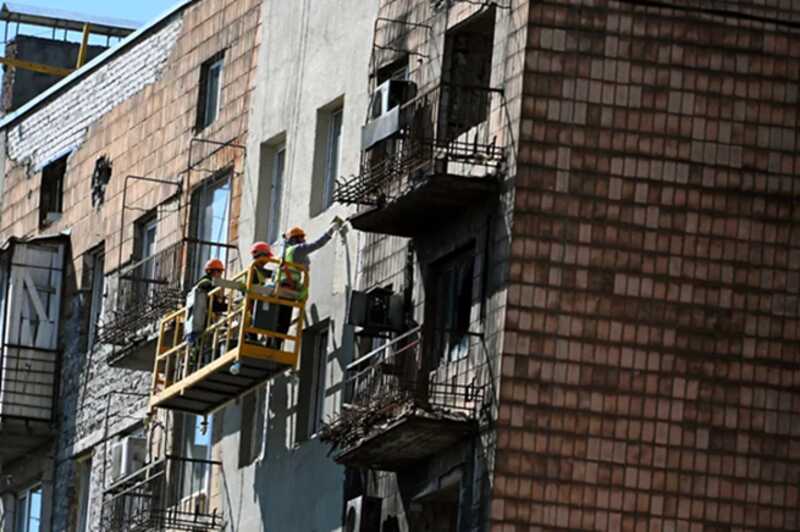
327,155
146,233
95,266
251,436
209,99
83,489
466,73
449,304
273,165
313,371
196,448
51,195
29,510
209,224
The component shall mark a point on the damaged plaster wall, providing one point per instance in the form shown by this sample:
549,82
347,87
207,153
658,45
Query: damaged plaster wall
62,124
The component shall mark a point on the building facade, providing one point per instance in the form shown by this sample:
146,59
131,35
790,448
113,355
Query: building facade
567,297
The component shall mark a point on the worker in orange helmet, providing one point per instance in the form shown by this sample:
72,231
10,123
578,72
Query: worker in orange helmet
197,302
297,251
261,253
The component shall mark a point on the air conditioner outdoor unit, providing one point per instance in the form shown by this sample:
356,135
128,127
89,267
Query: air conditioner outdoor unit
384,111
127,456
378,310
363,514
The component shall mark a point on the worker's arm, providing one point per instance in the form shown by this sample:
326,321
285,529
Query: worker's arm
301,251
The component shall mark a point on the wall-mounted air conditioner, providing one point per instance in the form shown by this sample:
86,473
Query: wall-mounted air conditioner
376,311
363,514
127,456
384,111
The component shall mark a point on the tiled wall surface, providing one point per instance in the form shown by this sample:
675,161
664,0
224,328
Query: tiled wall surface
651,366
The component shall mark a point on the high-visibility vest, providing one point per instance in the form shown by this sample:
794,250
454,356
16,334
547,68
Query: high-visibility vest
292,278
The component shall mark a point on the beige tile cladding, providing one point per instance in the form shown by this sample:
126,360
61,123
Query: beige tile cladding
651,373
148,134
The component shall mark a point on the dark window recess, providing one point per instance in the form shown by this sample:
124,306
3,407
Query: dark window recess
100,178
449,305
251,436
208,99
466,74
51,195
311,395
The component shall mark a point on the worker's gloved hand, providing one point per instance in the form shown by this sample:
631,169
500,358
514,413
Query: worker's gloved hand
336,224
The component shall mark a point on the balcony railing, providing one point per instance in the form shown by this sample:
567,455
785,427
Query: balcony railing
393,389
143,293
171,493
448,130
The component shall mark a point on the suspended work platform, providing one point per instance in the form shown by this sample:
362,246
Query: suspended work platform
240,348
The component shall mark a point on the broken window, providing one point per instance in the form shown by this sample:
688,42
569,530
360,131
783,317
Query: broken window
195,447
466,75
51,195
313,366
449,304
100,178
144,251
209,98
272,169
251,436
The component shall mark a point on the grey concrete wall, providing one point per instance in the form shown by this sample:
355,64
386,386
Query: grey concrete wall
20,85
312,54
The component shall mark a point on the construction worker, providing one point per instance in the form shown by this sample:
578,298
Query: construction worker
297,251
261,252
197,306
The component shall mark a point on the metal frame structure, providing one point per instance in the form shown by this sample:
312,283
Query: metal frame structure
235,351
164,496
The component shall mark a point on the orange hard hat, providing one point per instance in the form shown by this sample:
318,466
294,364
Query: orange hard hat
215,265
260,249
295,232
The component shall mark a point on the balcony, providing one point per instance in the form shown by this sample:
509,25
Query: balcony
398,412
143,292
170,493
238,350
444,157
31,277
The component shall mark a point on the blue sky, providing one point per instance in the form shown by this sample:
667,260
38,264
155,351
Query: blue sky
140,10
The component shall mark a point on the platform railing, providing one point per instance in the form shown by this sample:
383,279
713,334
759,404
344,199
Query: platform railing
170,494
234,333
449,128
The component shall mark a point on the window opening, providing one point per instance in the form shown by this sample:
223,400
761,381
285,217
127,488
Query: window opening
51,196
333,155
29,510
97,284
196,447
211,220
276,193
210,91
450,305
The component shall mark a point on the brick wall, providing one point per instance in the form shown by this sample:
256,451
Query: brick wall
649,380
139,110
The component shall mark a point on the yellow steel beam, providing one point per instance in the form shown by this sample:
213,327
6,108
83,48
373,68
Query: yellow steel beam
36,67
84,47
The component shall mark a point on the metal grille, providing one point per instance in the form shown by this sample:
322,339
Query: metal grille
444,130
394,377
171,493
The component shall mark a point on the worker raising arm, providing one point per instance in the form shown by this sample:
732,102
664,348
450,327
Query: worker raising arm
298,251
